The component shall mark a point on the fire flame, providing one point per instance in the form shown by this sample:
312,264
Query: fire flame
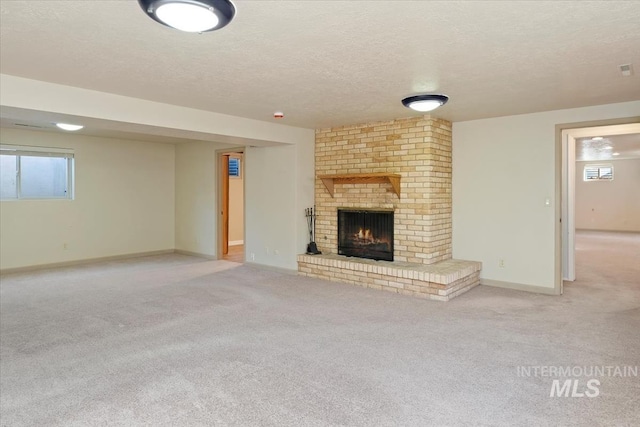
365,234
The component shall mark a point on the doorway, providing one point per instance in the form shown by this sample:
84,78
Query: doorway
589,158
231,224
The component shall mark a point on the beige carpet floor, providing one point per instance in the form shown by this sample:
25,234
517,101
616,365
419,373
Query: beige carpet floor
180,341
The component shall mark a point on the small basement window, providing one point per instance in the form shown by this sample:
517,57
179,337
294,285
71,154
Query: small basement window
598,172
234,167
35,173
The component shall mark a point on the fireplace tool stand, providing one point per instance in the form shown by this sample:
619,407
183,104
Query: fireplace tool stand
312,248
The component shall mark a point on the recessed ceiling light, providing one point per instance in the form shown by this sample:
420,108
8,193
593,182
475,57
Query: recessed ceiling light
426,102
608,148
192,16
69,127
597,138
615,154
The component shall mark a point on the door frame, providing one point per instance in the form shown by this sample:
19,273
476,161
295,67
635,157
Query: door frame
565,186
222,189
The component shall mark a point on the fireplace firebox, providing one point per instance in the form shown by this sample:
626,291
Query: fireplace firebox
365,233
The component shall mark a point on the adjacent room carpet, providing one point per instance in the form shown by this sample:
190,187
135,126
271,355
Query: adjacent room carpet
182,341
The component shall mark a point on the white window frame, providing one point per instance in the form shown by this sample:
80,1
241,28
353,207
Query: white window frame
20,150
597,167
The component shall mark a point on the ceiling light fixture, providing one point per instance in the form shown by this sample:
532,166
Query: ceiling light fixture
615,154
426,102
69,127
192,16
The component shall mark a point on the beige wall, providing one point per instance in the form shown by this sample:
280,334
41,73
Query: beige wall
278,187
609,205
194,169
278,184
236,206
124,203
503,170
196,197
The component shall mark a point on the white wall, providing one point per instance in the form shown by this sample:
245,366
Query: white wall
609,205
124,203
503,170
236,204
279,183
196,197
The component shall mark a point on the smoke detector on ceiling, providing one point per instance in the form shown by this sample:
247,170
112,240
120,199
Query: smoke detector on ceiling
626,69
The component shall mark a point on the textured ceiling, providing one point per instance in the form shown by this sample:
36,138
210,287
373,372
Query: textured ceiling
626,146
326,63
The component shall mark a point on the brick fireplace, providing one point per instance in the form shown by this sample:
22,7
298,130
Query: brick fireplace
404,167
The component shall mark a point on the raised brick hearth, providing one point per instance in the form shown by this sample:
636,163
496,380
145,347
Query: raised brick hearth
441,281
401,165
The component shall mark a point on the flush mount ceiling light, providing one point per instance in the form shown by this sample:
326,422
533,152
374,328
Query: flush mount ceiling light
426,102
192,16
69,127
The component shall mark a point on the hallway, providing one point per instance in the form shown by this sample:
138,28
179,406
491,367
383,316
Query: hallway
606,262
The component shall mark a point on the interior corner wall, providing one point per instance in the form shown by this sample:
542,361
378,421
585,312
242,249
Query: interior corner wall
279,184
124,203
609,205
504,169
305,191
196,197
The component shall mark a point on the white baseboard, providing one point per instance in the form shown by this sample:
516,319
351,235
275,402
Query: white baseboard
601,230
519,287
236,242
83,261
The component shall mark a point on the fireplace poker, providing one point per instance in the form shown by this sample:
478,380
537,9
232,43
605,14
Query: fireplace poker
312,248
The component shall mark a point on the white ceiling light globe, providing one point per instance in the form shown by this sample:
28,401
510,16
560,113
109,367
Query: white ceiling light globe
191,18
69,127
424,106
425,102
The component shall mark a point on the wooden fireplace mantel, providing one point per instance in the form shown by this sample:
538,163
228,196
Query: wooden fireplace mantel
362,178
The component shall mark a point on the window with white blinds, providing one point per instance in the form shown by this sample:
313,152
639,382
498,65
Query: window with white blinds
598,172
35,173
234,167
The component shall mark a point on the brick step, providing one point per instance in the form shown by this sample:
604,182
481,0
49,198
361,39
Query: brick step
441,281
